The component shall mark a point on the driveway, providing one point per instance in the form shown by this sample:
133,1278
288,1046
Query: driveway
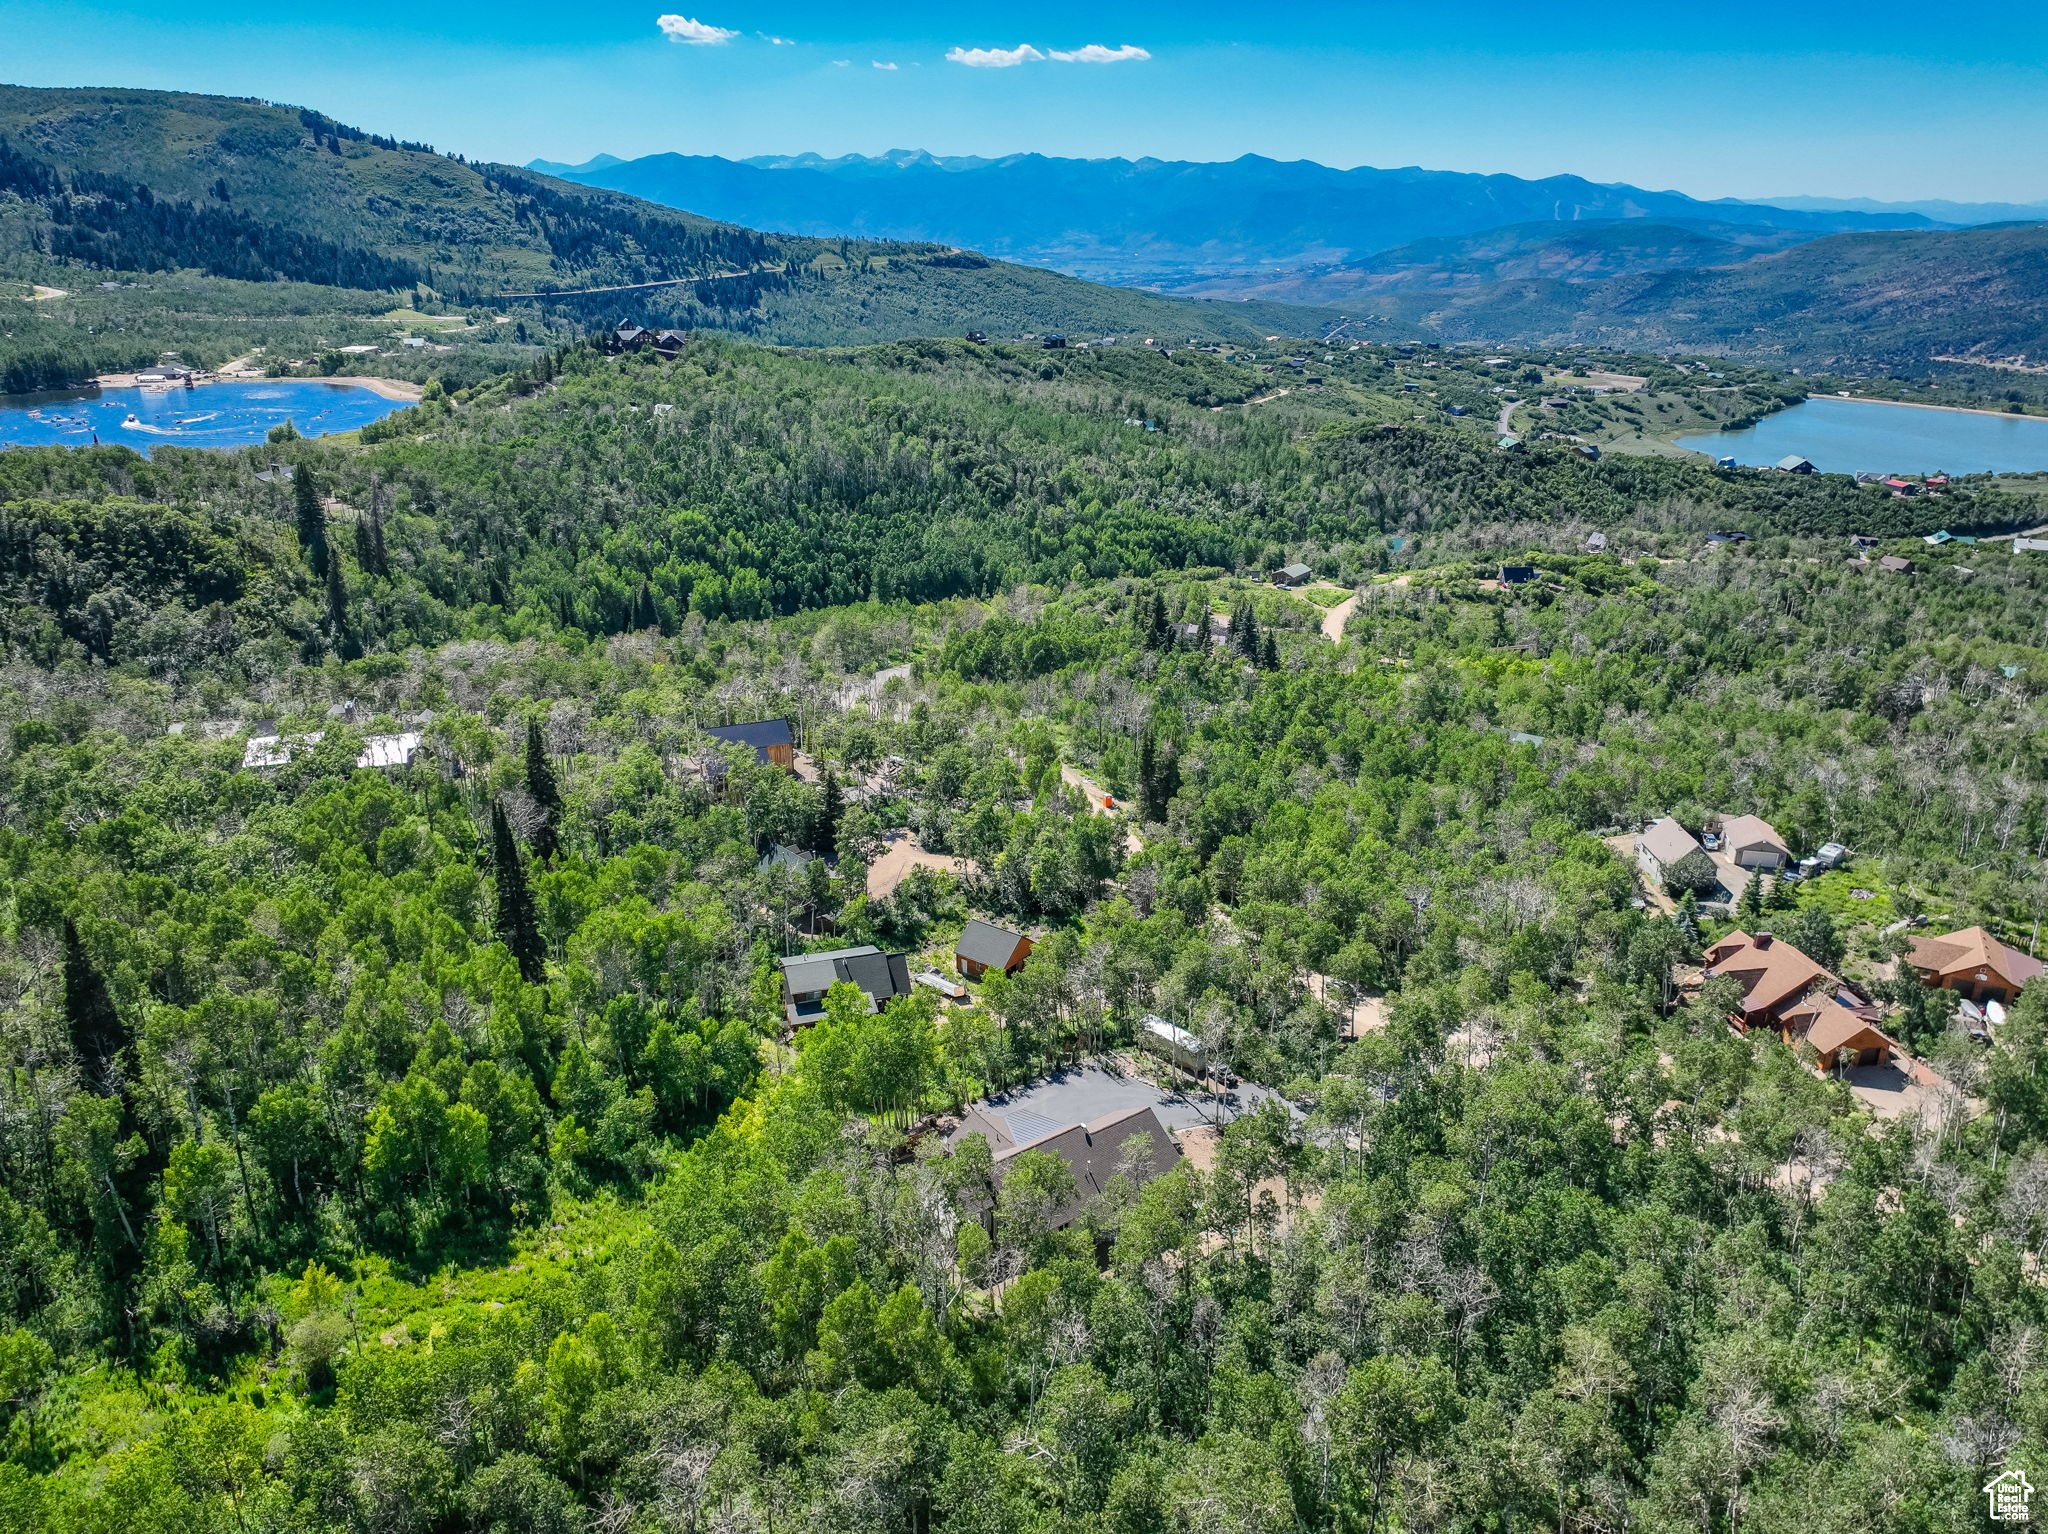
902,851
1080,1094
1890,1093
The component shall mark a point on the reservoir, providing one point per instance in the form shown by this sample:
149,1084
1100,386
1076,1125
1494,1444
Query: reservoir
233,414
1846,436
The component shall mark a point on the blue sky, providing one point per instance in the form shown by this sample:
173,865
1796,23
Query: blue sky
1740,98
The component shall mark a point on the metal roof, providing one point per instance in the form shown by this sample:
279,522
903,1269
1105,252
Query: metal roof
986,943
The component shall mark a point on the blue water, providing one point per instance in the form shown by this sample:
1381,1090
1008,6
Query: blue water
1846,436
206,415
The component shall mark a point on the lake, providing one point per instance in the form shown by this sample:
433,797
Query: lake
1846,436
207,415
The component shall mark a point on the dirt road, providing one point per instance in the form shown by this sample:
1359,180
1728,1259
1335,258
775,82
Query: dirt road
1100,802
1335,619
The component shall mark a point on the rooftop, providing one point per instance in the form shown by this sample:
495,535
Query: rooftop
1973,948
986,943
1771,970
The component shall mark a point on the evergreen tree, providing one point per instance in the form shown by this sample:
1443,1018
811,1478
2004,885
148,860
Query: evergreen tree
1687,916
97,1035
545,793
1157,634
370,551
312,519
1749,907
342,633
1149,807
831,809
518,925
1269,653
1246,640
1780,896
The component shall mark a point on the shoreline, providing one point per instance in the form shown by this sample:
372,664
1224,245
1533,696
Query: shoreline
395,389
1913,404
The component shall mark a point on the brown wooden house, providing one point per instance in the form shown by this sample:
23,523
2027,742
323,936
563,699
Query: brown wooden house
983,946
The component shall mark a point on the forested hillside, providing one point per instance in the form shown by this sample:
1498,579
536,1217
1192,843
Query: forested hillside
737,482
122,186
423,1149
1857,302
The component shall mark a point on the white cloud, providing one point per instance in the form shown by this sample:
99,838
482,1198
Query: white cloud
842,63
780,42
1095,53
698,34
880,65
994,58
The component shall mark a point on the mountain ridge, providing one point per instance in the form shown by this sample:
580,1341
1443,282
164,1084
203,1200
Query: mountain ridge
1152,222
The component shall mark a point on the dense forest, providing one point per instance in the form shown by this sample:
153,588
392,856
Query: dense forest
424,1149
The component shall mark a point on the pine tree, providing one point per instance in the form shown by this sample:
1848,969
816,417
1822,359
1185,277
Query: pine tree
1157,634
343,633
1248,633
1686,916
97,1035
831,809
371,553
545,793
1149,808
1269,653
518,926
1780,897
1750,907
312,519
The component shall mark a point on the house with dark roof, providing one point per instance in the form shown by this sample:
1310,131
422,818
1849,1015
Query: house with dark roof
1896,565
1132,1142
629,337
984,946
1973,964
1792,463
1291,575
771,740
806,977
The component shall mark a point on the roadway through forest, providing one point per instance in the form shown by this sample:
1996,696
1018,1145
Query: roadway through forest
1100,802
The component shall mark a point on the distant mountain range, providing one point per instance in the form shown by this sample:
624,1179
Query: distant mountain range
1855,302
1164,223
234,189
1566,252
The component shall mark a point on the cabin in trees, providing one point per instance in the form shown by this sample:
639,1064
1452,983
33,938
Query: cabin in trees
772,740
1792,463
1132,1142
1788,993
1973,964
806,977
1661,846
983,946
1291,575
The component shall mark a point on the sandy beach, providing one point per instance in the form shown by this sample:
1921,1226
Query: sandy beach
1911,404
384,388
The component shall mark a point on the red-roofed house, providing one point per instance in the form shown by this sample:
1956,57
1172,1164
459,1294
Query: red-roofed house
1774,975
1973,964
